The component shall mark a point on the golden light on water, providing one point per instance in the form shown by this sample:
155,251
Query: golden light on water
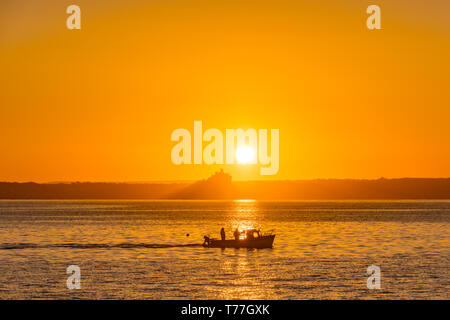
245,215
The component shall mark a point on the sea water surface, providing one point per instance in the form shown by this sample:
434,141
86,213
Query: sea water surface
152,249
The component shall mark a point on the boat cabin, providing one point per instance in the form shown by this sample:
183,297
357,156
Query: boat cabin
250,234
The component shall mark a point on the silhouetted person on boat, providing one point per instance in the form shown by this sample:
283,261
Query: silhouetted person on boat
222,233
236,234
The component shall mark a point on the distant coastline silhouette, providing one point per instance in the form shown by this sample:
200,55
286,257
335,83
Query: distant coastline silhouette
221,186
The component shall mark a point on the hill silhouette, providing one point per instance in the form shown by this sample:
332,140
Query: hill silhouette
221,186
218,186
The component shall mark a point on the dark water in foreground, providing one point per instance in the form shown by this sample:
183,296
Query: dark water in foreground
139,250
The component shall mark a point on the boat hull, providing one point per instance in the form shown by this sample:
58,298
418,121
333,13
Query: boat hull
259,243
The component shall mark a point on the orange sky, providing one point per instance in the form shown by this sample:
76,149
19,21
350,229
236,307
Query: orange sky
100,103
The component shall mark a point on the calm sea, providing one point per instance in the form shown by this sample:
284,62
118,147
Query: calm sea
140,249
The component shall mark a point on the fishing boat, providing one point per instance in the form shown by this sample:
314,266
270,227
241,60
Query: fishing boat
251,238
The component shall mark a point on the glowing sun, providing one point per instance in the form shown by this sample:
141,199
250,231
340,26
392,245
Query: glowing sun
245,154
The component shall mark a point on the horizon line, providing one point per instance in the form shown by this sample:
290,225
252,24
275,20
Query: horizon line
237,180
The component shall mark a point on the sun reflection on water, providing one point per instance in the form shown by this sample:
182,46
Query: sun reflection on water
244,215
245,283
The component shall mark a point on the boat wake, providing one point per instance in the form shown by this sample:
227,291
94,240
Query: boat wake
14,246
